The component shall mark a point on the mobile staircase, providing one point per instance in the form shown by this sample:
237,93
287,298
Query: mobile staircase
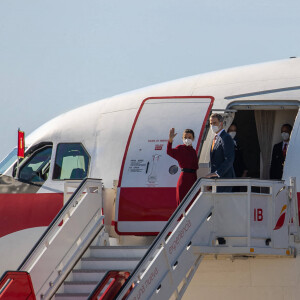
61,246
260,219
242,224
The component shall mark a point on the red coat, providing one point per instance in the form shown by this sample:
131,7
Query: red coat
187,159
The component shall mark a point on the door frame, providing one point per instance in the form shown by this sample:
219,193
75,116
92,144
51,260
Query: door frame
212,99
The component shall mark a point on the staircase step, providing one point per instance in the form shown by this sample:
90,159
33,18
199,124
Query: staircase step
71,296
92,269
118,251
88,275
79,286
91,275
109,263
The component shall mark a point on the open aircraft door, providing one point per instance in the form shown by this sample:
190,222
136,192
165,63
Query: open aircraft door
148,176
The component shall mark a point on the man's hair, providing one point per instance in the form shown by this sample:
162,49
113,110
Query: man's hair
218,116
189,131
233,124
289,126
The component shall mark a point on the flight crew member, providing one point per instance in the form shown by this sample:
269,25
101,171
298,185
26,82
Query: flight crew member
279,152
221,153
187,159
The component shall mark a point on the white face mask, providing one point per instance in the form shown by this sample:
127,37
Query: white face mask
215,129
285,136
232,134
187,142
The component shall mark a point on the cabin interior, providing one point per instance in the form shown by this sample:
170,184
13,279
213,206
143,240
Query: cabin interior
258,130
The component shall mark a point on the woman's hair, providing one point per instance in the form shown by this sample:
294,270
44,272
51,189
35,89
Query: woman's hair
189,131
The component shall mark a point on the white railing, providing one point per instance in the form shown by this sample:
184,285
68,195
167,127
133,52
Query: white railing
66,239
255,220
295,228
70,186
236,223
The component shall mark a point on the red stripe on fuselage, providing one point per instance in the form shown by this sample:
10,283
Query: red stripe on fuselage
146,204
22,211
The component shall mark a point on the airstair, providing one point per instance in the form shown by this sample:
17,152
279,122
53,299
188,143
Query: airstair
248,224
259,219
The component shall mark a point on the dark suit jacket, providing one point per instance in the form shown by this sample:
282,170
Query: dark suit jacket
222,156
239,164
277,162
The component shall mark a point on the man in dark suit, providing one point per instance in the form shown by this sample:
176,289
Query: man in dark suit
239,165
222,152
279,152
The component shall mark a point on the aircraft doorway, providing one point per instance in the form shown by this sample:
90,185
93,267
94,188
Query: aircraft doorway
258,130
248,141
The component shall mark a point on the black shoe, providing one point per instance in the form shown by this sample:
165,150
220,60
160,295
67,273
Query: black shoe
221,241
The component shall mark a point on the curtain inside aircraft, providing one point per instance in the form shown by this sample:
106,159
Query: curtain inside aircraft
265,123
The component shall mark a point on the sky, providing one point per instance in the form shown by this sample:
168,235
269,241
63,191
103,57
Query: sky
56,55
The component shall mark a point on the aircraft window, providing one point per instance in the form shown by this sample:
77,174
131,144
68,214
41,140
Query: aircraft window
8,160
36,166
71,162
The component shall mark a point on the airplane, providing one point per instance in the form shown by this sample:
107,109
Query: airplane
122,140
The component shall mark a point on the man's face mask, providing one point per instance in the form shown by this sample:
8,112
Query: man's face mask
232,134
285,136
214,129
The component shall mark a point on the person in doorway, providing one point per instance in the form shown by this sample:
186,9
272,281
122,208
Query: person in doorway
222,152
279,152
239,166
187,159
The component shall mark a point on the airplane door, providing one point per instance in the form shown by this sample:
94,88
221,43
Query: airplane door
148,177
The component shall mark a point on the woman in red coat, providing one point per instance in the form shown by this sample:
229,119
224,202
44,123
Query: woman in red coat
187,159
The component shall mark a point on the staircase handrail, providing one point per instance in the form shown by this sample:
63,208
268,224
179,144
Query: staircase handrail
161,237
67,261
117,278
14,283
49,228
